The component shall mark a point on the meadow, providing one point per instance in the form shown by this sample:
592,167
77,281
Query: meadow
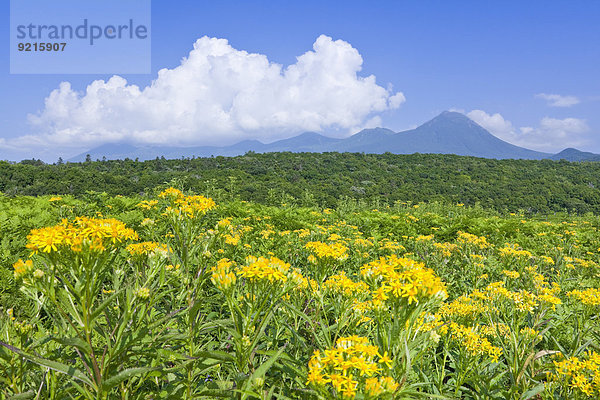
174,295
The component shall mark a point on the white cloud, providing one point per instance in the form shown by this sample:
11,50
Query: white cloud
495,123
550,135
556,100
220,95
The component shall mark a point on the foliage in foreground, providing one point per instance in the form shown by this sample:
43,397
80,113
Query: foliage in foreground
190,299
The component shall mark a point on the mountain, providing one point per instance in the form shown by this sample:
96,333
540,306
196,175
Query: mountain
454,133
448,133
571,154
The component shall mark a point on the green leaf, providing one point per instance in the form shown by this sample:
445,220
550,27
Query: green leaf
26,395
262,370
532,392
59,367
75,341
215,355
124,375
216,393
103,305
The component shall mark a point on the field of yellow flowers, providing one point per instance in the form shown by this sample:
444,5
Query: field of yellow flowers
178,297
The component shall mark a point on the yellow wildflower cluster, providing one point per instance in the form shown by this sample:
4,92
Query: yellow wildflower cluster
147,204
232,240
267,269
147,248
470,340
340,283
224,223
22,268
586,263
424,238
336,251
300,282
510,250
143,293
147,222
522,300
170,193
530,333
402,278
547,260
222,275
473,240
302,232
546,293
190,206
352,367
173,268
360,242
91,233
386,244
589,297
194,206
511,274
445,249
580,374
463,307
495,329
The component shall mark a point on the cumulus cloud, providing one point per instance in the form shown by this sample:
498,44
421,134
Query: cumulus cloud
551,134
220,95
556,100
495,123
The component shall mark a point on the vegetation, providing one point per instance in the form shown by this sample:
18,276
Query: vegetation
312,179
176,296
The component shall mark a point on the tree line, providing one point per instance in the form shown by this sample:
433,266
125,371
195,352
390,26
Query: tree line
325,179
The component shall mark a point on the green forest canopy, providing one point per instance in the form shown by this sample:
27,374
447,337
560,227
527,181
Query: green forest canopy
323,179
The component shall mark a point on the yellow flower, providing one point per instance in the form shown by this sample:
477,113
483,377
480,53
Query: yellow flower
92,233
511,274
351,367
147,204
142,293
222,275
403,278
473,240
271,269
173,268
336,251
340,283
147,248
472,342
22,268
170,193
589,297
386,360
147,222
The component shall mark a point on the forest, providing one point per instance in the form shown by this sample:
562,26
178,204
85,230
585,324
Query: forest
313,179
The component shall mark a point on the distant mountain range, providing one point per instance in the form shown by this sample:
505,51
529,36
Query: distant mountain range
448,133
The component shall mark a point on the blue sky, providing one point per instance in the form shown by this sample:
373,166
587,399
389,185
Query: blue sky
527,71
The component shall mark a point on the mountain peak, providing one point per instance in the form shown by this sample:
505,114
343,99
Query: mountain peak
572,154
570,150
453,117
374,132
